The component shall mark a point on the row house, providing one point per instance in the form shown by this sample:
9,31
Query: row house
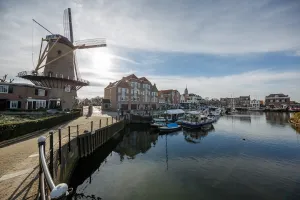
132,93
242,101
25,96
277,100
245,101
171,97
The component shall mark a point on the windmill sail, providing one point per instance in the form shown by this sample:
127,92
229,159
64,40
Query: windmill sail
67,24
91,43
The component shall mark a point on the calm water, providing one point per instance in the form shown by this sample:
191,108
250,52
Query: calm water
246,156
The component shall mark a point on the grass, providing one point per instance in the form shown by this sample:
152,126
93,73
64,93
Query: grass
296,118
13,119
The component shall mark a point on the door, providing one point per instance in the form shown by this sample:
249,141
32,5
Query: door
29,105
2,104
34,105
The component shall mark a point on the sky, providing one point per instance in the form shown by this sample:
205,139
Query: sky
217,48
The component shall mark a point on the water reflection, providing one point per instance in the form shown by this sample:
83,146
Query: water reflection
136,142
195,136
206,165
242,118
277,118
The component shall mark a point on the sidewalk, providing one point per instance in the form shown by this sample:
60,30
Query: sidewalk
19,161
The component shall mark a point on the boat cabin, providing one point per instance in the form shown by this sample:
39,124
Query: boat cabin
174,114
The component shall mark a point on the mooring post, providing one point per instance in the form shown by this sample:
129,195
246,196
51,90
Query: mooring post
77,130
51,153
79,146
69,135
59,145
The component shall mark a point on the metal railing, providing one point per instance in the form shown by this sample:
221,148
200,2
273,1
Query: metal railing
57,192
33,73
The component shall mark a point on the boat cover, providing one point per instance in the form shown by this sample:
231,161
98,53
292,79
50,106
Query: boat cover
172,125
174,111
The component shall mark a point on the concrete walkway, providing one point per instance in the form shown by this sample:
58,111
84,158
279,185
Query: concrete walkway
19,161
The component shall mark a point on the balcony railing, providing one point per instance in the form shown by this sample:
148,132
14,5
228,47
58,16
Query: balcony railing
33,73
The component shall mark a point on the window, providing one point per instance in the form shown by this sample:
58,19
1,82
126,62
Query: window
67,88
14,104
41,92
3,88
119,90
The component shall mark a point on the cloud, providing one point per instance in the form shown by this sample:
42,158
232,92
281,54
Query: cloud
257,83
233,28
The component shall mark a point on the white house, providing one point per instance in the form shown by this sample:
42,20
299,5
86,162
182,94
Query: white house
255,103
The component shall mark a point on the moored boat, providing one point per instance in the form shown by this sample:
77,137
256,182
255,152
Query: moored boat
194,120
171,127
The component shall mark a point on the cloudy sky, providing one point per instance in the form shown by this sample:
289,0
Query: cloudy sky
217,48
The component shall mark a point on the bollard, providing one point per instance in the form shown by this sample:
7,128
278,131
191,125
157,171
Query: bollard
100,123
91,126
59,145
51,153
69,135
106,121
77,130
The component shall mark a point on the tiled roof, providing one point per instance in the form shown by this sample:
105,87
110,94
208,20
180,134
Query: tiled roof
131,76
279,95
23,85
143,79
112,84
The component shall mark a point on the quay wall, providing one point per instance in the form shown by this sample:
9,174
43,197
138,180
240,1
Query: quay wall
63,161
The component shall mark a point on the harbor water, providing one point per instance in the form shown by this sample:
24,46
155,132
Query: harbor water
244,156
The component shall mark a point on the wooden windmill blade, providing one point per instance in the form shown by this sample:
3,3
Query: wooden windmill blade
91,43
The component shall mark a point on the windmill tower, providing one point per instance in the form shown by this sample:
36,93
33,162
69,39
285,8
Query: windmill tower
57,66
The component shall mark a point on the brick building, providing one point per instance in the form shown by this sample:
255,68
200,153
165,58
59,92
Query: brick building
277,100
242,101
171,97
25,96
132,93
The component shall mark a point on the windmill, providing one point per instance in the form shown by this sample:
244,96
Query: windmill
57,61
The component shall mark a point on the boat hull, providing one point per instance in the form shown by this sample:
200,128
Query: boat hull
186,125
168,129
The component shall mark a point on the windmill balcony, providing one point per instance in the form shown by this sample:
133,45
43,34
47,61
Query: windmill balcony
35,76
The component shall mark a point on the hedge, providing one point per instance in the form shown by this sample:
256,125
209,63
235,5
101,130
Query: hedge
13,130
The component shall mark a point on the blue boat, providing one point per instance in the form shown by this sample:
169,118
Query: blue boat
171,127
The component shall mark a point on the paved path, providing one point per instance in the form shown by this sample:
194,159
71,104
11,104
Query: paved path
19,161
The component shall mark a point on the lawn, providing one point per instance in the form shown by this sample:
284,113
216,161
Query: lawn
9,119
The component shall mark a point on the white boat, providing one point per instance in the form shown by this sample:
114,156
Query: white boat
195,120
215,111
174,115
256,109
170,127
